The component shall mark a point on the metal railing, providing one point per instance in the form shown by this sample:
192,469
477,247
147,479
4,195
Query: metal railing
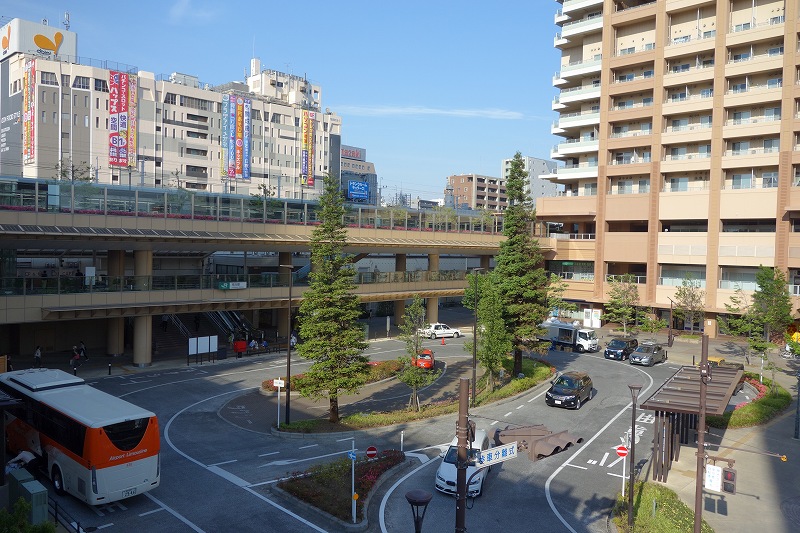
641,280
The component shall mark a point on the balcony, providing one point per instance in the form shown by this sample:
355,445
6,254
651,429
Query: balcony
635,49
747,249
748,203
750,157
566,206
688,202
578,94
688,103
683,248
576,120
690,44
753,64
571,6
577,171
794,251
583,26
580,68
573,146
686,162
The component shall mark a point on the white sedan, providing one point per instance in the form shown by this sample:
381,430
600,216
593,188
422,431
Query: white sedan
437,329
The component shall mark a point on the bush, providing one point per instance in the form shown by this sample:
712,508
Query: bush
763,408
377,372
327,487
672,515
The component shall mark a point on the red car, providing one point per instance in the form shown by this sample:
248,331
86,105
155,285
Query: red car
424,359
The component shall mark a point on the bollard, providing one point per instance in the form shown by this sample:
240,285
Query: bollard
74,370
654,508
402,436
109,369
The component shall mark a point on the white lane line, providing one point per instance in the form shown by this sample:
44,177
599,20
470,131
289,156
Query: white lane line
270,453
603,460
583,447
520,407
224,462
493,423
616,475
529,401
576,466
236,480
292,461
615,461
348,438
151,512
309,446
174,513
382,511
507,414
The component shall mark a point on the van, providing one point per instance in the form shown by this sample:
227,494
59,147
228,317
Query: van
446,474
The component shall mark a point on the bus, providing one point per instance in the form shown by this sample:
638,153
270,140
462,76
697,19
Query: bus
95,446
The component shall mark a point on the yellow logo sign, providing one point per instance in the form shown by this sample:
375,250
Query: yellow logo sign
44,43
7,39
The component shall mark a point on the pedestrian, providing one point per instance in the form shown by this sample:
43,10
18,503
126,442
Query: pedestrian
164,322
196,323
75,360
82,351
37,357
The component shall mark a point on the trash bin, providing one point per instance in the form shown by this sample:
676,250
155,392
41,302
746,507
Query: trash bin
222,352
239,347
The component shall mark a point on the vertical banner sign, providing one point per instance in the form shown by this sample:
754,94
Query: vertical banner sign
246,140
118,108
223,162
133,102
239,135
29,110
232,137
307,158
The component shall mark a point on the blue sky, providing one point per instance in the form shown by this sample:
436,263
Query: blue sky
429,88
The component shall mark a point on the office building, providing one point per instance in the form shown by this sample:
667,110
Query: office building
358,178
535,185
678,121
69,117
478,192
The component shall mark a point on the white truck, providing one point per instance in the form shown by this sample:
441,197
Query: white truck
570,335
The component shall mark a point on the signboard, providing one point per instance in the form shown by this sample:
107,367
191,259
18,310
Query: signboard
352,152
278,382
622,451
713,479
227,285
372,451
49,42
497,454
307,147
122,102
351,455
357,190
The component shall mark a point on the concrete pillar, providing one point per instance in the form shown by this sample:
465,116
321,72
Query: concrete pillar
400,262
283,322
115,339
284,258
142,269
432,310
399,311
485,260
143,341
433,262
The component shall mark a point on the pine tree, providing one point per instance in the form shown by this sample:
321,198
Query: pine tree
494,340
328,319
521,278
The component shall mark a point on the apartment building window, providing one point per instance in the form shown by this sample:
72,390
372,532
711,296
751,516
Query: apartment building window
625,77
741,181
739,87
705,121
170,98
741,27
774,83
590,189
100,85
65,80
704,150
677,152
742,56
769,180
55,117
677,97
771,145
680,68
644,186
741,117
86,101
74,100
680,124
647,101
620,130
709,34
679,184
44,97
706,93
49,78
648,73
96,122
626,51
81,82
740,147
44,117
625,187
681,39
776,51
55,97
772,113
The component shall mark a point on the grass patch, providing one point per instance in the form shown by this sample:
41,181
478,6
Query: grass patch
377,371
327,487
535,371
671,516
764,408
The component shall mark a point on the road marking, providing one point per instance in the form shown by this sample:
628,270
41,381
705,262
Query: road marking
174,513
520,407
348,438
493,423
616,475
382,511
508,414
309,446
224,462
270,453
603,460
615,461
591,462
153,511
529,401
236,480
98,527
292,461
576,466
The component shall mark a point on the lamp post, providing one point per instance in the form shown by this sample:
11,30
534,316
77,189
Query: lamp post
670,338
797,409
289,344
475,334
129,177
419,500
634,398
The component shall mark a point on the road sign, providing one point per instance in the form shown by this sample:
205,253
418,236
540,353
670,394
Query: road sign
498,454
351,456
622,451
278,382
713,480
372,451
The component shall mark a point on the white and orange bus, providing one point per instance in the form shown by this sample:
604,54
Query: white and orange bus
97,447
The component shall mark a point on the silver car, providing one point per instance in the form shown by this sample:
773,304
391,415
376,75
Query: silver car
648,354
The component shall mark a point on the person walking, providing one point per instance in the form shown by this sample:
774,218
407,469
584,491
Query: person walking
164,322
37,357
196,323
82,351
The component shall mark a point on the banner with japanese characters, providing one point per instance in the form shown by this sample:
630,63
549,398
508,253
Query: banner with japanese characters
120,100
223,161
29,110
248,104
307,154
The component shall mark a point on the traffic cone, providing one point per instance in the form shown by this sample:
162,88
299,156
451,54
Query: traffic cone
443,341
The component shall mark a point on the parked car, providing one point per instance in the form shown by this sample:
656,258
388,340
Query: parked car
446,474
569,389
437,329
648,354
424,359
620,348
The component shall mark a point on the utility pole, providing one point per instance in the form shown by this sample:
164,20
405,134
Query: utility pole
461,461
705,377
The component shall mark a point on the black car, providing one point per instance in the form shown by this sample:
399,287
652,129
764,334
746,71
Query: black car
621,349
569,389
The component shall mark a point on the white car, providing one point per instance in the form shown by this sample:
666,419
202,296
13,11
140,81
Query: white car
446,474
437,329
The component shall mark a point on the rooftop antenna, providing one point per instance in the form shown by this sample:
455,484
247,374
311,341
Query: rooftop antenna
66,20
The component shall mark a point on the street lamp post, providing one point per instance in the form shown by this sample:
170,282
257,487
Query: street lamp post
289,344
634,398
797,410
670,337
129,177
419,500
475,334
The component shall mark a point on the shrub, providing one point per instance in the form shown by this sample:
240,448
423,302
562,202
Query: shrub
327,487
763,408
671,516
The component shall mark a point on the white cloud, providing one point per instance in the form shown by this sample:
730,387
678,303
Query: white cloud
408,111
183,11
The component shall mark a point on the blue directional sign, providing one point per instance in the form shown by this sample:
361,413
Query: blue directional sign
497,454
351,456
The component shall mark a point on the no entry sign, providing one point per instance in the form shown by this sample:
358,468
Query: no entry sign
372,451
622,451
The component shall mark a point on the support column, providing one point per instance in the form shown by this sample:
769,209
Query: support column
143,341
432,314
400,262
115,339
283,321
399,305
399,311
284,258
485,261
433,262
143,325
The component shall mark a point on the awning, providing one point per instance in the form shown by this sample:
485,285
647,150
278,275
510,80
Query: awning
681,392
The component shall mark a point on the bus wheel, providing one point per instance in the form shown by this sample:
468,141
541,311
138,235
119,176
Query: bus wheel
58,481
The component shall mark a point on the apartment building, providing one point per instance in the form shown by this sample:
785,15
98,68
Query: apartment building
535,186
680,132
478,192
71,117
